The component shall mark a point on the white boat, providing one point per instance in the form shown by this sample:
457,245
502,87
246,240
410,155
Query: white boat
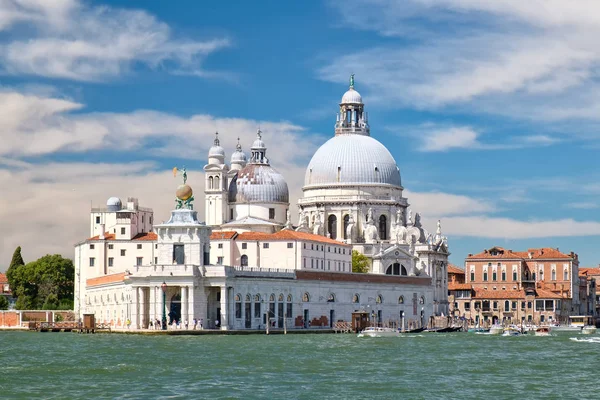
496,330
511,331
588,329
542,331
376,331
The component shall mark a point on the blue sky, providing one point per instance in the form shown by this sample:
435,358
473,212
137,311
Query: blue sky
491,110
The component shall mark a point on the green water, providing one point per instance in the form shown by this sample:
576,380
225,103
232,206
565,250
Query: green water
427,366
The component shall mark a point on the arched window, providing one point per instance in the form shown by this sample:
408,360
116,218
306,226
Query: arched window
272,298
422,300
248,298
280,299
553,274
306,297
257,298
332,226
346,223
238,306
331,298
383,227
244,260
356,298
288,307
289,298
257,306
217,183
401,300
506,305
379,299
210,182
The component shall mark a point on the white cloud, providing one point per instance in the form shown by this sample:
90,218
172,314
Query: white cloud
439,204
73,40
583,205
532,60
451,138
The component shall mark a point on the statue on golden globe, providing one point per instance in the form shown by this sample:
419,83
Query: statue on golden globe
184,196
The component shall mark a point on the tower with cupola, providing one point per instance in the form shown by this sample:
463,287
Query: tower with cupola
216,184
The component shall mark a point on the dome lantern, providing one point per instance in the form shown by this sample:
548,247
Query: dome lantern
352,119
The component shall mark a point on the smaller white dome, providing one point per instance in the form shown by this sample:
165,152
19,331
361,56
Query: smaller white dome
114,204
351,97
216,151
238,157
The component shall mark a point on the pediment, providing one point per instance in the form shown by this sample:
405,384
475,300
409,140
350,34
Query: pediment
395,252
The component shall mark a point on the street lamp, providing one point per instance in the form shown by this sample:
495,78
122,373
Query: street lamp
164,316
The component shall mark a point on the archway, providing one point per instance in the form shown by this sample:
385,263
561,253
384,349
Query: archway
346,223
396,269
332,226
383,227
175,309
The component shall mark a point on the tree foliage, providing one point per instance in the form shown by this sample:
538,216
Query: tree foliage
360,262
46,283
15,264
3,303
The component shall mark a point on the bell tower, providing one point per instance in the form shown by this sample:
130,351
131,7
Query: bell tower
215,185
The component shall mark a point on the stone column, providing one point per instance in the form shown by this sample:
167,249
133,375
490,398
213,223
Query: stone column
133,313
152,312
184,306
141,309
191,312
224,307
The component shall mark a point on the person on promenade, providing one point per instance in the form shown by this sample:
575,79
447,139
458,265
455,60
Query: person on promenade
186,324
201,323
195,322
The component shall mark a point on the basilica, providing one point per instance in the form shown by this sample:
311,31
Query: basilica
255,260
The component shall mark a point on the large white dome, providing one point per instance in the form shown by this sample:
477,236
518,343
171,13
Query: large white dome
258,183
352,160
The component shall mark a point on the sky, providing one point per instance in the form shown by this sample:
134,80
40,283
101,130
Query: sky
491,109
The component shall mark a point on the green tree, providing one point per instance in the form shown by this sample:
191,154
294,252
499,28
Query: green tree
3,303
46,282
360,262
15,263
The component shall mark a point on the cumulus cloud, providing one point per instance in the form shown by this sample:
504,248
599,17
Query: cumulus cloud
73,40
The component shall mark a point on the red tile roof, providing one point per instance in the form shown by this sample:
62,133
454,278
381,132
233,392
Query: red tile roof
459,286
546,294
592,271
220,235
3,279
103,280
287,234
541,253
146,236
453,269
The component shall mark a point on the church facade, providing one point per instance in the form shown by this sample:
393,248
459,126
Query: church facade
248,264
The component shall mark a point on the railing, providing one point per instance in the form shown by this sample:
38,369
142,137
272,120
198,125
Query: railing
333,199
258,271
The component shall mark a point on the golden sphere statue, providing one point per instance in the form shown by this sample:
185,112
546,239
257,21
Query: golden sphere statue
184,192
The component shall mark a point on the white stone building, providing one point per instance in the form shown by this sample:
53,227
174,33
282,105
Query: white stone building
249,262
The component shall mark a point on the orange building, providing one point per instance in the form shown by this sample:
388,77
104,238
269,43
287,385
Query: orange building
533,286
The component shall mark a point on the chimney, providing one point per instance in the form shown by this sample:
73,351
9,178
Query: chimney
101,235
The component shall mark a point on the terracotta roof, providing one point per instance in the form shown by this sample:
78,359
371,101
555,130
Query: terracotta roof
223,235
499,294
453,269
149,236
103,280
459,286
585,271
541,253
3,279
546,294
287,234
365,278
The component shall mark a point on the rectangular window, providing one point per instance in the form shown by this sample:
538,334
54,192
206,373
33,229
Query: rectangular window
220,246
110,246
329,249
494,276
265,245
304,245
288,311
485,276
150,220
312,263
111,261
522,305
528,304
122,231
92,247
467,306
503,275
271,213
495,305
231,213
155,260
238,309
539,305
328,265
92,261
312,246
257,310
472,276
244,246
178,254
139,246
97,220
290,245
122,252
139,260
514,276
220,260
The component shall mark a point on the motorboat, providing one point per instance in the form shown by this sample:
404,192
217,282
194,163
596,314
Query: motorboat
378,331
542,331
511,331
576,325
588,330
496,330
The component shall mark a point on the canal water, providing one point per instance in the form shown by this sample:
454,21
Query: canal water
308,366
